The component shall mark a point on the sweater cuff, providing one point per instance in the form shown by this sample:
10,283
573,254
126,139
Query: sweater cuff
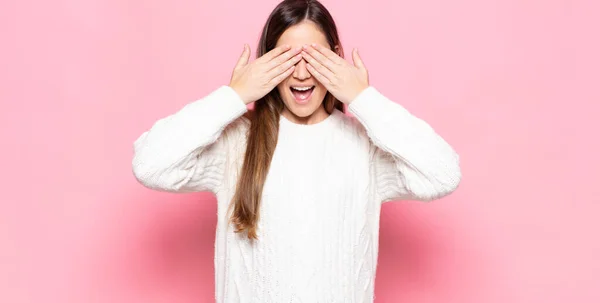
226,104
371,107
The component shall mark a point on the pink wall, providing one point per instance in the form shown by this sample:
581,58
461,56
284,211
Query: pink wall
512,84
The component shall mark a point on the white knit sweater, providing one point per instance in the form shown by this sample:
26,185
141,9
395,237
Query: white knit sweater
319,218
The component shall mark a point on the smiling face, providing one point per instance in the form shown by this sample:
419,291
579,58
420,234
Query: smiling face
302,94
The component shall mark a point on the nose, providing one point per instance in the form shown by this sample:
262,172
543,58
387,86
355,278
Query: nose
301,72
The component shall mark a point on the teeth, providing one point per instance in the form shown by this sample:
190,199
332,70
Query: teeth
302,88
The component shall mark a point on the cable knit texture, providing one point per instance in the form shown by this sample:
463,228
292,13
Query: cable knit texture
319,219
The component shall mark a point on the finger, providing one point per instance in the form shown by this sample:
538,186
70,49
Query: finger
357,60
278,79
282,58
313,71
320,57
327,73
274,53
244,58
282,68
328,53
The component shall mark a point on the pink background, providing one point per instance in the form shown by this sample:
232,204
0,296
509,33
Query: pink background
512,84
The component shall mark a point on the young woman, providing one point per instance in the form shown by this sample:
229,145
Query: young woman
299,184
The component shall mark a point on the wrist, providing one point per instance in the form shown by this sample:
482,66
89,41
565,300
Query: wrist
240,94
356,94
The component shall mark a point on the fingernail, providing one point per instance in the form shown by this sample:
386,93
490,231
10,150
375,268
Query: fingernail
314,44
305,46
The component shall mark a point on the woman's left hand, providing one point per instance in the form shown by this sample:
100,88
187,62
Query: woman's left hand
342,79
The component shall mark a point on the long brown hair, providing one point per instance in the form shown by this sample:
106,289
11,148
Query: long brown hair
264,118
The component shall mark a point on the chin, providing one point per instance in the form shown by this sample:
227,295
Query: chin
302,112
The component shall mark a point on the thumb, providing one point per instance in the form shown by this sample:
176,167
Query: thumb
357,60
244,58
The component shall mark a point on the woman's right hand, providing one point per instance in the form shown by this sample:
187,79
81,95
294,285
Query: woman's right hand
252,81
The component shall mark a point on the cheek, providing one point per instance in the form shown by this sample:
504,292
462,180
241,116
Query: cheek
283,85
281,88
322,90
284,92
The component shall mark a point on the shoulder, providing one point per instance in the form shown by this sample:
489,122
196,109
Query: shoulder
232,140
235,133
241,124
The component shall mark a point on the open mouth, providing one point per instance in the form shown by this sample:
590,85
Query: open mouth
302,93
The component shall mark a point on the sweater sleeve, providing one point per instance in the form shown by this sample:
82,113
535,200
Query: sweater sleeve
409,159
186,151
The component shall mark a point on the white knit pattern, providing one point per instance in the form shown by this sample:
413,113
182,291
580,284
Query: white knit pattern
319,227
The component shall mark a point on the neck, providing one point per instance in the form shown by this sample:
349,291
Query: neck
317,116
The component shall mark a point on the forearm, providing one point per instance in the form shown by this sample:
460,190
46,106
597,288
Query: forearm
174,142
425,163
